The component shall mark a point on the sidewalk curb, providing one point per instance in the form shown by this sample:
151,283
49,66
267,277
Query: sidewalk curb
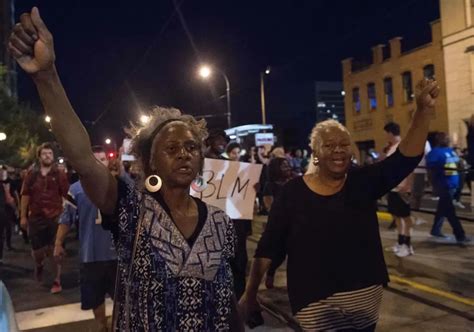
409,267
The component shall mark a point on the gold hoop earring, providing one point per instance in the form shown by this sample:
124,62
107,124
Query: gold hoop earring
153,183
315,161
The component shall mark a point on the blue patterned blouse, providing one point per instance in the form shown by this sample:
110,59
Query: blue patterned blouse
163,282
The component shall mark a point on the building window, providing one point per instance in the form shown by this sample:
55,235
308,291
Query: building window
407,86
371,96
356,100
388,91
428,71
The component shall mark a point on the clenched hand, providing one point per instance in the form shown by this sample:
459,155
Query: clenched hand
31,44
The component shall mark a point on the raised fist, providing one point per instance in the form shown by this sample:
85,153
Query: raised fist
427,90
31,44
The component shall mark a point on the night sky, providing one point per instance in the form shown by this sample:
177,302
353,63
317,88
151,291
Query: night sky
120,56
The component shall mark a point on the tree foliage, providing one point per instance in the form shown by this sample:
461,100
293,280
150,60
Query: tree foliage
25,130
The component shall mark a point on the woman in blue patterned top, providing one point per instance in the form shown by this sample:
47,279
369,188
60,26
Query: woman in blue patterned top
173,250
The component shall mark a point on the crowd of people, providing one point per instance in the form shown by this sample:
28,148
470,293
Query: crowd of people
172,262
445,171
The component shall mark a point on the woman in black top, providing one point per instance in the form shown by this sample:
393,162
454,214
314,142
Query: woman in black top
326,223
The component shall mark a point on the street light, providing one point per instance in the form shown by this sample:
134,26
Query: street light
108,141
144,119
47,118
3,136
262,94
205,72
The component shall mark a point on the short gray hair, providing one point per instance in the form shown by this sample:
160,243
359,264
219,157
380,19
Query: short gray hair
159,117
315,136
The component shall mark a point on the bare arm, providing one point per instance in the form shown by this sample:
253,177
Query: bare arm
258,269
31,44
63,229
268,201
98,183
248,302
25,201
413,144
59,251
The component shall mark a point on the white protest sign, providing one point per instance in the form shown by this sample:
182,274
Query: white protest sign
264,139
230,186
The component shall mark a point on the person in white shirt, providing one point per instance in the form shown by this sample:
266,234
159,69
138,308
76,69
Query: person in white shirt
398,198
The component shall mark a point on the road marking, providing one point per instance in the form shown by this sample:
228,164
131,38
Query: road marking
384,216
428,289
63,314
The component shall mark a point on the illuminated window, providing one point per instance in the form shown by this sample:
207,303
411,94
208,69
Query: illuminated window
356,100
371,96
407,86
428,71
388,91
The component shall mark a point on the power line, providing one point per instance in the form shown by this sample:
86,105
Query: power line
143,59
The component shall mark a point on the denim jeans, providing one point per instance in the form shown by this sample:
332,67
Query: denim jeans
446,209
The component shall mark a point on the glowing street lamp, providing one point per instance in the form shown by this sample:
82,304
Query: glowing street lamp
205,72
3,136
47,118
144,119
108,141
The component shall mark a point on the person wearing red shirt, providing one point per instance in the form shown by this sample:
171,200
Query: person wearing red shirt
41,205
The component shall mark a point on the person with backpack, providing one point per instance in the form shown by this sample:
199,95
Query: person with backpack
41,205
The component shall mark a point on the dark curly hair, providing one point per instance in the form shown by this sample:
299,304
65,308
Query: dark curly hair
274,169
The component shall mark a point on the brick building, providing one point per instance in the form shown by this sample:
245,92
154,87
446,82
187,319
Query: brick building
384,90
